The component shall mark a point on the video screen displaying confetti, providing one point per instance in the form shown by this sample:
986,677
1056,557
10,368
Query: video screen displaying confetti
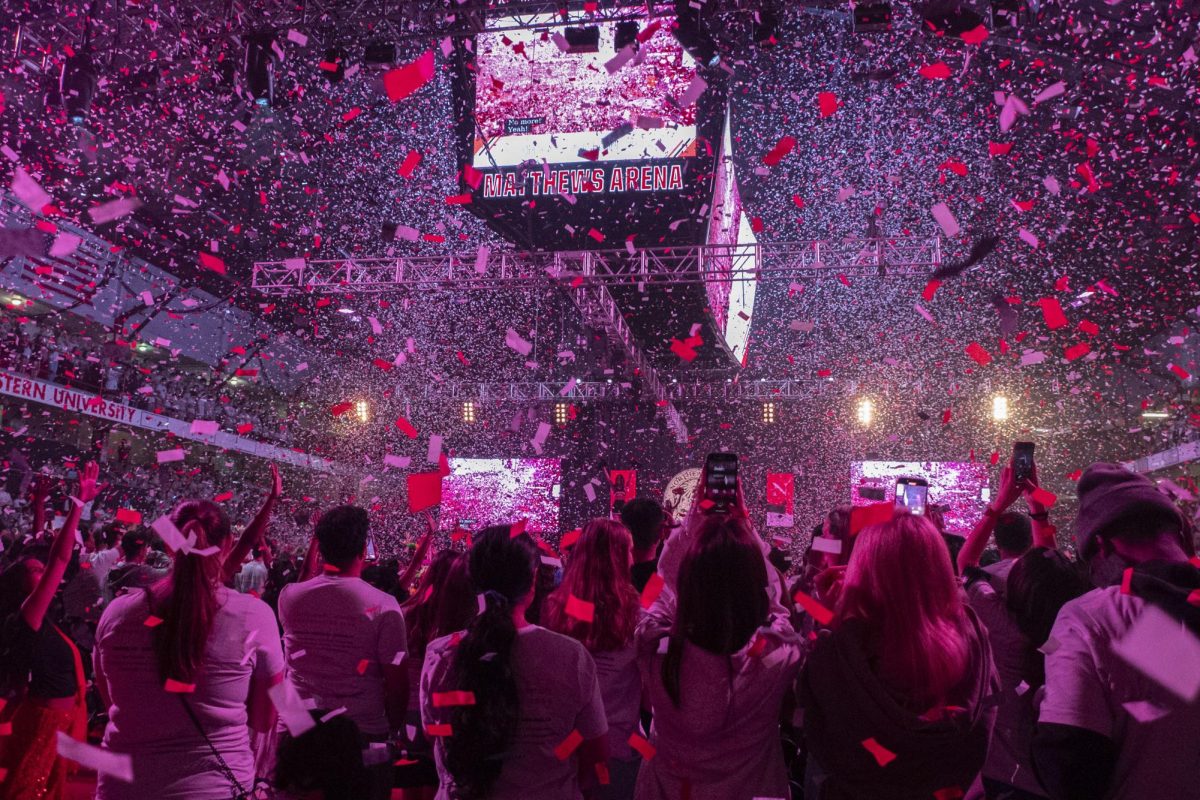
564,94
960,486
485,491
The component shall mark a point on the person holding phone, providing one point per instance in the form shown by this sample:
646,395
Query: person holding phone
345,640
717,654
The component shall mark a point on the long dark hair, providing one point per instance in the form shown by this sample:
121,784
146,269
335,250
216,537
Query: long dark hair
502,568
444,602
597,573
187,601
1039,584
722,598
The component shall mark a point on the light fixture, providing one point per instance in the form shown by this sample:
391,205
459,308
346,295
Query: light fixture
866,412
258,67
344,310
999,408
77,87
768,412
362,410
562,413
468,411
1155,415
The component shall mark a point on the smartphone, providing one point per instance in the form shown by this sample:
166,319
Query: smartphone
721,475
912,493
371,554
1022,461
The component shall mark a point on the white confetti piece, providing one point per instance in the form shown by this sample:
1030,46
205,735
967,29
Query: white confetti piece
29,191
101,759
296,37
693,91
1028,238
204,427
114,210
435,449
169,456
824,544
481,259
623,57
65,244
1050,92
1162,649
291,708
945,218
514,341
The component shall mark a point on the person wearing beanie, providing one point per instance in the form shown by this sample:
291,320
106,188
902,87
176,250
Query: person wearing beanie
1121,715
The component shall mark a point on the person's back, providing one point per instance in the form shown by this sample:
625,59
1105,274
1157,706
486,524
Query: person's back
1121,715
715,675
897,696
647,522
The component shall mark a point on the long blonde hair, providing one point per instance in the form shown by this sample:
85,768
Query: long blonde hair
900,584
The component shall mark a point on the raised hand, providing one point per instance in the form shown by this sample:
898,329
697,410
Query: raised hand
276,491
89,488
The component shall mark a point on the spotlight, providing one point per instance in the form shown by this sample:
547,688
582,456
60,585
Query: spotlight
77,87
866,412
468,412
999,408
333,65
562,413
872,16
362,410
582,39
1155,415
768,413
258,67
625,35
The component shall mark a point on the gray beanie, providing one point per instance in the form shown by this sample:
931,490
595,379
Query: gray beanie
1109,492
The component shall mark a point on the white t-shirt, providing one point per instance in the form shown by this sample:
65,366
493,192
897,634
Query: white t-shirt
252,577
1089,686
621,687
102,561
170,757
339,633
558,694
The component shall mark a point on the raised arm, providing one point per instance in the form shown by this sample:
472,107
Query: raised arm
256,530
1043,531
977,542
312,561
38,495
33,610
410,572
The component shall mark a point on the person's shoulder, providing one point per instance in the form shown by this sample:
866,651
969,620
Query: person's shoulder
128,605
547,641
246,604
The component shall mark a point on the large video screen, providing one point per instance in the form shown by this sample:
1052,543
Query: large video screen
483,491
564,94
960,486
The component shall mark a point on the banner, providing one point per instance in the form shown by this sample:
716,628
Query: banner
73,400
622,487
780,500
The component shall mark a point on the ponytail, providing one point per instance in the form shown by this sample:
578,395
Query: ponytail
502,570
187,601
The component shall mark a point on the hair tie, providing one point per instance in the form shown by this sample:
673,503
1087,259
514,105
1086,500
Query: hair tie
493,599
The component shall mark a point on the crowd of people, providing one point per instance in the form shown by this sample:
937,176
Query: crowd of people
642,659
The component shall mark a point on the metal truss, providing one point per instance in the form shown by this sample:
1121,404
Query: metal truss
501,392
669,266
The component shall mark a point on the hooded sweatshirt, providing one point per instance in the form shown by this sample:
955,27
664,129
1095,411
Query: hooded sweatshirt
871,745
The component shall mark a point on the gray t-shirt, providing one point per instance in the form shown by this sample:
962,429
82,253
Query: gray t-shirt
339,633
558,695
1090,686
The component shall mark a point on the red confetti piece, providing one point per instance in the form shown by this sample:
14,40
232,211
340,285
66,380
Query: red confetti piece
351,114
459,199
580,609
179,687
362,667
340,408
874,514
978,354
1044,496
1076,475
1089,327
998,149
383,364
406,427
1077,351
1179,371
882,755
517,528
957,167
245,428
438,729
457,698
976,35
949,793
1053,314
209,261
781,149
644,748
827,104
947,415
683,350
1127,581
1194,597
995,459
223,497
653,589
813,608
568,746
127,516
595,234
424,491
569,539
936,71
403,81
409,164
153,621
930,289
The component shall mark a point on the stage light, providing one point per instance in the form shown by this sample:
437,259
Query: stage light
380,54
999,408
77,87
562,413
866,412
768,413
468,412
582,39
362,410
333,65
258,67
1155,415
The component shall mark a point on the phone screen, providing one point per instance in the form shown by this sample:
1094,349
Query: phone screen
371,555
720,486
1022,461
912,493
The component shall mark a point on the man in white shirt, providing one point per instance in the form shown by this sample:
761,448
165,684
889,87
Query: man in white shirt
252,577
1121,715
345,640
